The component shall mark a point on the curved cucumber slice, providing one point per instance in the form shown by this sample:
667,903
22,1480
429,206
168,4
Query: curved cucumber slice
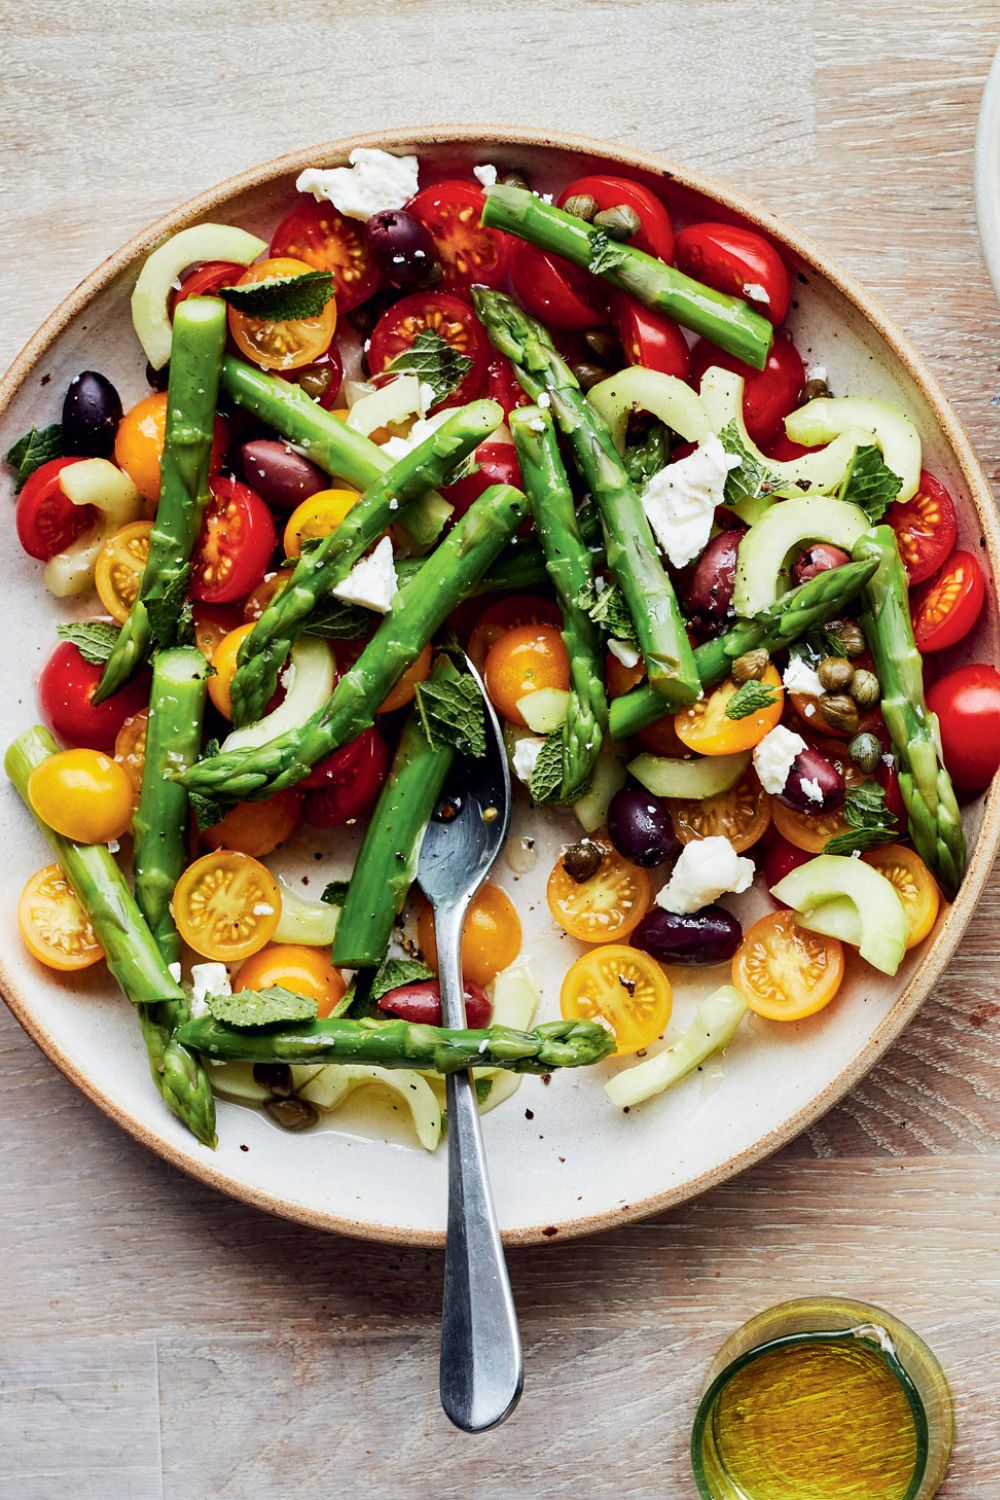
826,418
713,1027
150,299
96,482
692,779
609,777
544,710
760,566
515,997
311,922
830,878
308,685
639,389
839,918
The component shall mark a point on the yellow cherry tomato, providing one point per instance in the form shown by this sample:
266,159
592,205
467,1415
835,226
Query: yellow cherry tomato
224,662
742,815
624,988
281,345
226,906
271,585
257,828
914,884
491,939
604,908
785,972
523,660
139,444
317,516
82,794
121,563
406,687
706,727
55,928
292,966
130,750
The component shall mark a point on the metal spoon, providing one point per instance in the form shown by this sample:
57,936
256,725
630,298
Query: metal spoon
481,1366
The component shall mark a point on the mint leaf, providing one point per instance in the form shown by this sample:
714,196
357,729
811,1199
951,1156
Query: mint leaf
869,821
484,1088
335,893
94,639
859,840
452,713
547,777
753,478
281,299
32,450
250,1009
869,483
644,459
434,362
164,606
607,608
207,810
393,973
606,254
340,621
749,698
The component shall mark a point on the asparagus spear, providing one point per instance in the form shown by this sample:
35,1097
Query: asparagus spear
728,321
812,603
173,742
196,350
631,551
418,610
317,572
934,819
571,570
131,953
404,1044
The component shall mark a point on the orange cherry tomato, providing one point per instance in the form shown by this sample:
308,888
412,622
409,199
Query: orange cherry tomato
504,615
226,906
130,750
784,972
624,988
742,815
139,444
619,678
914,884
406,687
317,516
120,565
705,726
224,662
491,939
257,602
604,908
660,738
293,966
82,794
55,928
212,622
257,828
523,660
281,345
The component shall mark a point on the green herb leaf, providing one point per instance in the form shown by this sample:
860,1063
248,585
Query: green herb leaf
32,450
452,712
869,483
281,299
753,478
335,893
859,840
749,698
484,1088
869,821
94,639
606,254
340,621
607,608
207,810
820,642
434,362
393,973
165,608
250,1009
644,459
547,777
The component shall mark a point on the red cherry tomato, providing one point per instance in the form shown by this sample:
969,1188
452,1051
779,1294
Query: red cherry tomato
497,464
649,339
768,394
926,528
450,318
553,289
888,779
730,259
322,379
421,1003
503,386
780,860
947,608
46,521
655,234
317,234
65,689
206,279
783,449
469,254
346,783
235,546
967,703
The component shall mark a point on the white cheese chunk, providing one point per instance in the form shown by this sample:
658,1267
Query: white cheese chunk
624,652
207,979
754,291
526,753
174,970
486,174
705,870
371,582
773,757
399,447
816,372
375,180
680,500
812,789
800,677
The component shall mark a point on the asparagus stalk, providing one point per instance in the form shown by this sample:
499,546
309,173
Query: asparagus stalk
728,321
317,572
132,955
198,336
418,610
812,603
173,742
631,551
404,1044
934,819
571,569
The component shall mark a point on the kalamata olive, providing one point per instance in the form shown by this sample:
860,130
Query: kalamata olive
709,936
819,558
91,412
421,1003
402,248
710,591
280,476
158,379
814,784
640,828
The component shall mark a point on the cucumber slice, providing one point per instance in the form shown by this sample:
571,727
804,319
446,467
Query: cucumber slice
639,389
839,918
235,1080
150,299
831,878
760,569
544,711
690,779
309,684
515,997
328,1087
828,417
96,482
311,922
609,777
411,1087
713,1028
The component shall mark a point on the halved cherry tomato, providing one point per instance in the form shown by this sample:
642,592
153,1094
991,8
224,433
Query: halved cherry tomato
503,386
224,661
205,280
496,464
948,607
780,860
406,686
527,658
139,444
491,938
315,517
226,906
655,234
421,1003
281,345
47,522
344,785
649,339
321,237
451,319
296,967
257,828
926,528
496,619
706,728
322,379
120,565
65,690
83,794
784,972
130,750
605,908
561,294
235,545
783,449
914,884
742,815
270,586
623,987
470,255
212,622
660,738
621,679
967,704
732,259
55,928
768,394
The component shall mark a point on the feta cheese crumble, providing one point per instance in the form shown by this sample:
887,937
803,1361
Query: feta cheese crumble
372,582
174,970
773,757
207,979
624,652
800,677
816,372
754,291
812,789
399,447
705,870
375,180
526,753
486,174
680,500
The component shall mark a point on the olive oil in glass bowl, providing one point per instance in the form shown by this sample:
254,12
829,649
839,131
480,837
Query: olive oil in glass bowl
823,1399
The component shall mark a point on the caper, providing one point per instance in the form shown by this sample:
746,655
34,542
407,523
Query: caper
865,688
849,634
814,389
866,752
834,672
583,860
292,1114
604,343
514,179
839,711
751,665
618,223
276,1077
588,374
581,206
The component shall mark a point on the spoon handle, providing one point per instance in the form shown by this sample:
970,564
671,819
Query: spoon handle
481,1366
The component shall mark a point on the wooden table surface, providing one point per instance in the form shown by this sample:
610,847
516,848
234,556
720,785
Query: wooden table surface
158,1340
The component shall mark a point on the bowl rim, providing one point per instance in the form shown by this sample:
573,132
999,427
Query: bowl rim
987,173
958,914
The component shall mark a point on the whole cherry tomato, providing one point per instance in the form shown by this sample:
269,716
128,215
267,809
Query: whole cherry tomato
553,289
648,339
967,703
655,234
46,521
768,394
780,860
65,690
732,259
470,255
345,784
496,464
